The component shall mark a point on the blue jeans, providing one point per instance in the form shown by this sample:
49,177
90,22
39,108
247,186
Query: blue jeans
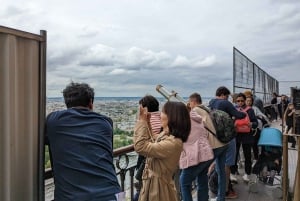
231,153
188,175
220,158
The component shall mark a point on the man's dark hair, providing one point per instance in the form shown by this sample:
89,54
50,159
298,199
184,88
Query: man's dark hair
241,95
179,121
78,94
222,91
196,97
150,102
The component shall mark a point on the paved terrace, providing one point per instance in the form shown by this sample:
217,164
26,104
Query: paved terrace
265,192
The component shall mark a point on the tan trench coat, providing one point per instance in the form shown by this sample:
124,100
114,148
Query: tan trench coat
161,164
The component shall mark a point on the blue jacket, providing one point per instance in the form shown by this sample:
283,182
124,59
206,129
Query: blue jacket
226,106
81,147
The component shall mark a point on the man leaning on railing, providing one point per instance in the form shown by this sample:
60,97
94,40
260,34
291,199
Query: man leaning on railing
81,149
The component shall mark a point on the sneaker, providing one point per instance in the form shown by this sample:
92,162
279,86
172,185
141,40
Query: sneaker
213,199
246,178
271,178
233,178
231,194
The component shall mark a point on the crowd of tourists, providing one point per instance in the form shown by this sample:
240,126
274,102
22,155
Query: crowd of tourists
203,152
179,147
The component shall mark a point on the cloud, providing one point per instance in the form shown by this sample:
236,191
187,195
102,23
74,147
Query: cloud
120,71
208,61
127,48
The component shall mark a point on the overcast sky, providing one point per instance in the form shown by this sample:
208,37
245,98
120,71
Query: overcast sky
127,47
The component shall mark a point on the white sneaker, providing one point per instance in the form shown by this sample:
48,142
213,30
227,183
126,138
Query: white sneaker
233,178
213,199
246,178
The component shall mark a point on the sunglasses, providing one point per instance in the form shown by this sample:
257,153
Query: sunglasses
240,101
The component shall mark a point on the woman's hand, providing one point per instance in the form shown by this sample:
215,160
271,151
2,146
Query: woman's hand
144,114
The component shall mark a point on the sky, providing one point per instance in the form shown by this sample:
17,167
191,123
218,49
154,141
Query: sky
128,47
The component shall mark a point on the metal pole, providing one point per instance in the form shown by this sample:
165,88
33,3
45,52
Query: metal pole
234,70
296,196
297,177
285,174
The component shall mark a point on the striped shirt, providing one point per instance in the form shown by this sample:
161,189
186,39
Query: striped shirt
155,122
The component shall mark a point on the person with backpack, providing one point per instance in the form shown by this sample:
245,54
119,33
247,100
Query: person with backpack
218,147
245,137
221,103
195,159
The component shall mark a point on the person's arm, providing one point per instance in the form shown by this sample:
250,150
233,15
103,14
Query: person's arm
291,113
252,117
259,113
232,111
144,146
141,136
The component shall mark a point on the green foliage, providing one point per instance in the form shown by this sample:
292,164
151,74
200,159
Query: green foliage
118,131
47,157
122,140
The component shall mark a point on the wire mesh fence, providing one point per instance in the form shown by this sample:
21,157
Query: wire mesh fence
249,76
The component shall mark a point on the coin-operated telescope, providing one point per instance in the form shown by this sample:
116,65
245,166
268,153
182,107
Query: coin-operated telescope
170,96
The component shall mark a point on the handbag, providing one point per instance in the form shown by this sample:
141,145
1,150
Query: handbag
140,170
242,125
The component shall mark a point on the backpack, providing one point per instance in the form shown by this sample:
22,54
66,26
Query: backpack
213,181
242,125
223,124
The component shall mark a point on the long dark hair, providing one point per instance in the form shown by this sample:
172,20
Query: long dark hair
179,121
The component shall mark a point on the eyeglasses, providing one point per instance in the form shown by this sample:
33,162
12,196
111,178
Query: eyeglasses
240,101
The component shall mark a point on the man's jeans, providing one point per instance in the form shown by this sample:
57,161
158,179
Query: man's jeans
188,175
220,158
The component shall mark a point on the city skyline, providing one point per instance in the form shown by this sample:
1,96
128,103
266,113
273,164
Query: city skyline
126,48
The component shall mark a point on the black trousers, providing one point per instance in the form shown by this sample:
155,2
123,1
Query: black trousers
247,155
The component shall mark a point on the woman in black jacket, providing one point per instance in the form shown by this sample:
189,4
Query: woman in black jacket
245,137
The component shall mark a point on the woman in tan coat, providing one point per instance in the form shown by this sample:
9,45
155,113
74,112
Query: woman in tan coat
163,153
